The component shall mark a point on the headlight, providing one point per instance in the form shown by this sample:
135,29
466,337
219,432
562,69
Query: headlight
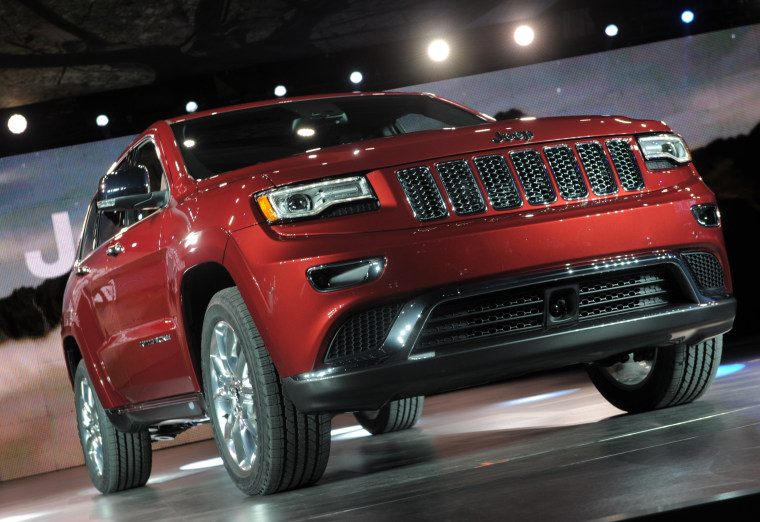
303,201
664,146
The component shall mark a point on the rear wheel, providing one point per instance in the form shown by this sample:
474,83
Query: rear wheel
658,377
394,416
266,444
115,460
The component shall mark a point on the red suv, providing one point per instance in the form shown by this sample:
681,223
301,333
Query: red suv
268,265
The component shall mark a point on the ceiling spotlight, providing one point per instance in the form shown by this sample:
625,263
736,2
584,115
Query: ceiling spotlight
191,106
524,35
687,17
101,120
611,30
356,77
17,124
280,91
438,50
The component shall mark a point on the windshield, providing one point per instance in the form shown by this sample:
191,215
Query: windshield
223,142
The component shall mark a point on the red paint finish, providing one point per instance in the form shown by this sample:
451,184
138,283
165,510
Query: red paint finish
116,312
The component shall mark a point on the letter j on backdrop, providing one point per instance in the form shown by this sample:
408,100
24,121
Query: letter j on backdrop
64,241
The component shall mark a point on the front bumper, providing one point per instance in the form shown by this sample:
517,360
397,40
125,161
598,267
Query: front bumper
399,368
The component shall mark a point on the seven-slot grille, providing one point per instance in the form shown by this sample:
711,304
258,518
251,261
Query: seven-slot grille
568,170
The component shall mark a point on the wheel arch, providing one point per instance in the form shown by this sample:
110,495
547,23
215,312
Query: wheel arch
72,354
199,284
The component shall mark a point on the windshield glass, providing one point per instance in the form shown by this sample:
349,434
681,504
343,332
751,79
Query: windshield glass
223,142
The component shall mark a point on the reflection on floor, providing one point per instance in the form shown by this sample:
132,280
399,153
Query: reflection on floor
546,447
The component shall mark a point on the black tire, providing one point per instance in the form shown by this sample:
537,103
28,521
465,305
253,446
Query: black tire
394,416
266,444
115,460
669,376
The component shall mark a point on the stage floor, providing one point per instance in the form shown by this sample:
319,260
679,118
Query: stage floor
545,447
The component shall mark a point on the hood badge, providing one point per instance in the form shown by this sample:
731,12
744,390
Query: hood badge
511,136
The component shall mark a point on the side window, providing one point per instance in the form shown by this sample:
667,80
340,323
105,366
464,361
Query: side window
89,232
110,223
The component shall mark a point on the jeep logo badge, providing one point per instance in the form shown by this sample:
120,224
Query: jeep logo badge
511,136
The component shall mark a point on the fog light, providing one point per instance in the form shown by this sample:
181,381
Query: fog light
326,278
706,215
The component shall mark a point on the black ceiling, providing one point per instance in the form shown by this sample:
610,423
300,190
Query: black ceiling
62,62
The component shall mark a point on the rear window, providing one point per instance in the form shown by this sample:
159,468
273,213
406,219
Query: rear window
228,141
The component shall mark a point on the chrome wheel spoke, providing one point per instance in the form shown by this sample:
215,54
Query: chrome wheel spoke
92,439
233,396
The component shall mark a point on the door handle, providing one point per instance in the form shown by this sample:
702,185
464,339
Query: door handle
81,270
114,250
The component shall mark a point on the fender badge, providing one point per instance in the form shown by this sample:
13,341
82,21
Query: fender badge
155,340
511,136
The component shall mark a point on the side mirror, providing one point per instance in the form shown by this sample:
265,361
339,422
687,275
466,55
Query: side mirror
128,189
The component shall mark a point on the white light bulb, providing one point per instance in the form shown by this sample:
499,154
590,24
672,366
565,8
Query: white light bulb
524,35
17,124
438,50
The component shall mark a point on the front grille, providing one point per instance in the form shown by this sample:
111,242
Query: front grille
706,270
522,310
362,334
567,170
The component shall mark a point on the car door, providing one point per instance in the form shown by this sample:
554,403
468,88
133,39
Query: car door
145,361
93,286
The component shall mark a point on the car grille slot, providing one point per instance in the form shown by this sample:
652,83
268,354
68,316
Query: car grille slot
422,193
498,181
522,310
706,270
534,177
361,336
461,187
566,172
611,295
476,317
625,164
597,168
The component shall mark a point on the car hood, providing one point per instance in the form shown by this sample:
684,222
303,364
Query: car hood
391,151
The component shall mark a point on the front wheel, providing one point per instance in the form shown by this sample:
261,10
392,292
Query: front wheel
115,460
266,444
394,416
658,377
